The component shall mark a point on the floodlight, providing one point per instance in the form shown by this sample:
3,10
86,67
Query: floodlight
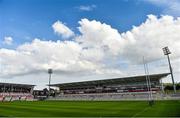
50,71
167,52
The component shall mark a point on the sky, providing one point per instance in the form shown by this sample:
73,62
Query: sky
86,39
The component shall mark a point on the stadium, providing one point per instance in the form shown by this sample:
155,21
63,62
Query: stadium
90,58
130,96
125,88
125,96
134,87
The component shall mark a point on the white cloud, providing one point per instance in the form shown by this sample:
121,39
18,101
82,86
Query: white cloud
100,51
66,56
150,37
62,30
86,7
171,7
100,36
8,40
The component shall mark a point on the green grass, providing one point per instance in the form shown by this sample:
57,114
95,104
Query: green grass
90,108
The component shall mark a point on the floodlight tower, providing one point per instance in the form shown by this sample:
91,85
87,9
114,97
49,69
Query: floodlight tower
167,52
50,71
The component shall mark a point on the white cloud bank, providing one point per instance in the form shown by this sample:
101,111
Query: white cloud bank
98,50
150,37
8,40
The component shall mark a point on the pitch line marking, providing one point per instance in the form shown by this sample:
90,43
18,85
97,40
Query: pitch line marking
140,112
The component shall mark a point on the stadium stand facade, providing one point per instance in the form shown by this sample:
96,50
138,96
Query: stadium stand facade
12,92
134,87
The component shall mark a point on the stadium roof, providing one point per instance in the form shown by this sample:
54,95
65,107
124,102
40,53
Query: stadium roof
122,80
17,85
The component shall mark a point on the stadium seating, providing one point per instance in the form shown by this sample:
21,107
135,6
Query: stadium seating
107,96
7,98
1,98
16,97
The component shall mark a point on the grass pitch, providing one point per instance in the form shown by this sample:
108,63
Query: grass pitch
90,109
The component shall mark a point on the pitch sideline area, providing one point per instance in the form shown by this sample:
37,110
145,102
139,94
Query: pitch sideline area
90,108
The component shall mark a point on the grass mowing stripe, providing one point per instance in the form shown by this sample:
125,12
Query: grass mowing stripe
89,108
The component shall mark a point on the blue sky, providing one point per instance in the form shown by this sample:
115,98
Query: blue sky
97,39
25,20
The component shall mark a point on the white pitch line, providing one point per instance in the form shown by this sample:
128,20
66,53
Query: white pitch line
140,112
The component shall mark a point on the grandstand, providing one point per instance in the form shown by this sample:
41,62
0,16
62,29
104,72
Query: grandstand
12,92
134,87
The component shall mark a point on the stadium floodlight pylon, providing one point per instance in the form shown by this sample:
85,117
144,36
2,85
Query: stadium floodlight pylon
50,71
167,52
